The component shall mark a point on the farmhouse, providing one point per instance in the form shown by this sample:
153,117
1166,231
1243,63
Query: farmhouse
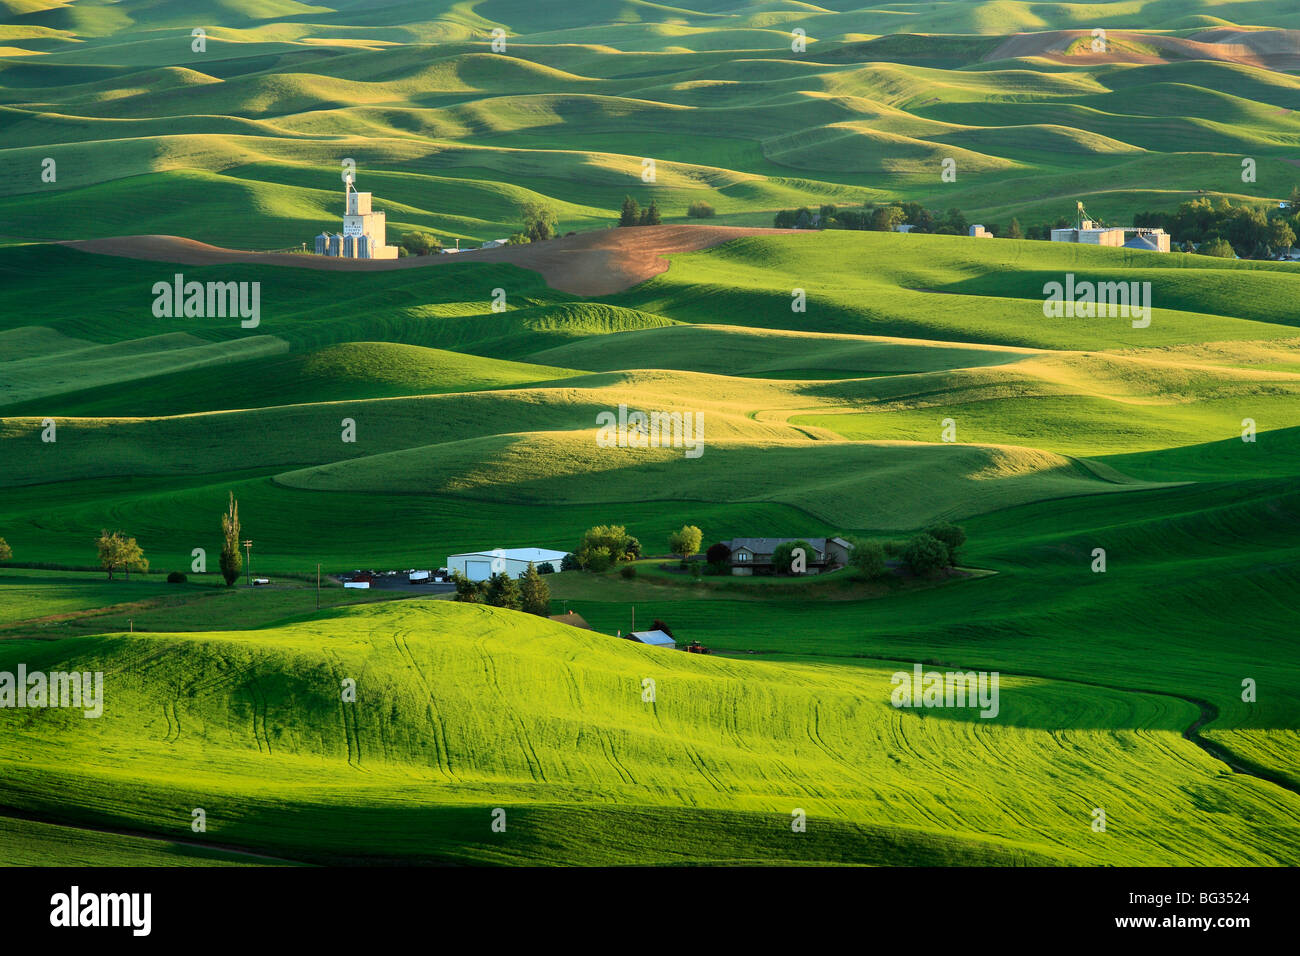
754,555
477,565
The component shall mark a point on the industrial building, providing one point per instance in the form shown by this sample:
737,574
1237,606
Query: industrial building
1094,233
364,234
477,565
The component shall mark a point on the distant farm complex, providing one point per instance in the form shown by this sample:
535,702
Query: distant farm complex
1095,234
364,230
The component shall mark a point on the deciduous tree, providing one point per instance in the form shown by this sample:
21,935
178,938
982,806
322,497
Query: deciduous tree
685,541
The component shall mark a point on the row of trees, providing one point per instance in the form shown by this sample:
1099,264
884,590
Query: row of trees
932,550
530,593
873,218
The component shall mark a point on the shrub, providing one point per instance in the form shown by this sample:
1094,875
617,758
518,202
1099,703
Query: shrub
471,592
598,560
718,554
421,243
176,577
868,559
895,548
546,567
925,554
570,562
700,210
628,571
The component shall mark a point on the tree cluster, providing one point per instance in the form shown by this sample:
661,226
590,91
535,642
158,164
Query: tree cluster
530,594
633,214
1218,228
117,551
602,547
421,244
540,221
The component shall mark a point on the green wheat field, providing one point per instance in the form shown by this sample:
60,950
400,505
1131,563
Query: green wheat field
476,428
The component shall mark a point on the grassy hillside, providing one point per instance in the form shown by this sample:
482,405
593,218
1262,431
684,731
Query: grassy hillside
846,383
241,143
417,755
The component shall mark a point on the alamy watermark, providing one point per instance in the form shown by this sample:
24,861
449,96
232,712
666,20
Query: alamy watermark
950,689
37,689
211,300
127,910
654,430
1094,300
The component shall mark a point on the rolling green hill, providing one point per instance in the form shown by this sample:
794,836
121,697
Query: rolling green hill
418,756
240,143
848,383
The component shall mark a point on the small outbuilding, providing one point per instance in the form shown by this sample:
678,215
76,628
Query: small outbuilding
653,638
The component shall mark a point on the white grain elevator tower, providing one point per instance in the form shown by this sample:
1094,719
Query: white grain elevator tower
364,229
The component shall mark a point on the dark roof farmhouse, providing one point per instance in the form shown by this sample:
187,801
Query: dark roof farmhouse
754,555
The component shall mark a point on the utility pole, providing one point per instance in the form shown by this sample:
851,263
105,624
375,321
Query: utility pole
634,617
318,587
248,563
